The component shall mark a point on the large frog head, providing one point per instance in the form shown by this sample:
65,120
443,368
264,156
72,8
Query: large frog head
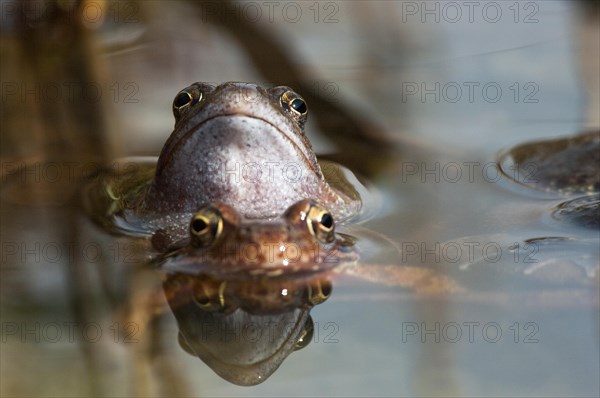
243,145
302,241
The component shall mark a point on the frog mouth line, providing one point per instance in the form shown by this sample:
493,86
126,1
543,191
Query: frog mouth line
294,142
183,262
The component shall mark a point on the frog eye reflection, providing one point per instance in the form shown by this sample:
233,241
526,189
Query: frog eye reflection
306,335
295,105
319,291
206,226
210,296
320,223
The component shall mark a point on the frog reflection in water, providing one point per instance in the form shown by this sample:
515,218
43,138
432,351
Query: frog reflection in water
236,143
242,329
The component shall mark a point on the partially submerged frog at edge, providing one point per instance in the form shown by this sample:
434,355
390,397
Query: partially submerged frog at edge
236,143
221,243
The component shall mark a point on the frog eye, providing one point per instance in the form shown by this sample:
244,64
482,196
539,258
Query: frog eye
320,223
295,105
319,291
206,226
317,219
184,100
190,96
306,335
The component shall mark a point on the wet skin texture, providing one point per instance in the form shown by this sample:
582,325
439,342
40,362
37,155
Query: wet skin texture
242,145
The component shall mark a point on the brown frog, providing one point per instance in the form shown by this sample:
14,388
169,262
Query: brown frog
236,143
223,244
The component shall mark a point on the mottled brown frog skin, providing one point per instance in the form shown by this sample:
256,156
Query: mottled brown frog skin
242,145
222,244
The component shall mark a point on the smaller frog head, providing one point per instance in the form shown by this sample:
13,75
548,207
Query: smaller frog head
303,241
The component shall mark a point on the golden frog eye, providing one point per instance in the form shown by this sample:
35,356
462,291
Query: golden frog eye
306,335
317,219
190,96
206,226
319,291
320,223
183,101
295,105
210,295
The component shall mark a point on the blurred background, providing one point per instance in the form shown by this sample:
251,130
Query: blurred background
417,98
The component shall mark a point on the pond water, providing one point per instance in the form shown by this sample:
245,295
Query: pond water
450,92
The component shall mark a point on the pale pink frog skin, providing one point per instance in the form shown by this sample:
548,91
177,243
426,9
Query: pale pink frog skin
245,146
